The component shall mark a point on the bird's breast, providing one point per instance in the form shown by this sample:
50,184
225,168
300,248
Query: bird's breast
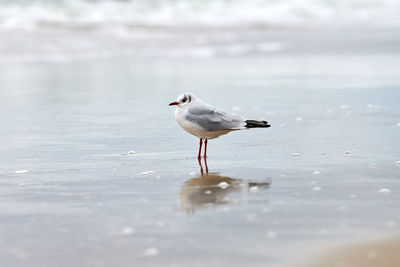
190,127
195,129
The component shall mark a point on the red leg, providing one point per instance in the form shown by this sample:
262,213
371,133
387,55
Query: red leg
205,148
201,143
205,163
201,167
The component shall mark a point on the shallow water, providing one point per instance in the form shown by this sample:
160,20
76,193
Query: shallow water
85,200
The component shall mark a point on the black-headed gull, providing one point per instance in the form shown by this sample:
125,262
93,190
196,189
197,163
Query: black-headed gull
208,122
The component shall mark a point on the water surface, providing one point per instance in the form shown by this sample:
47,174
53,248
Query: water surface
72,194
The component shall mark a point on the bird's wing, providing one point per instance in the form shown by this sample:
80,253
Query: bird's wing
213,119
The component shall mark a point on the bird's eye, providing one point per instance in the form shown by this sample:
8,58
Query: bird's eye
184,99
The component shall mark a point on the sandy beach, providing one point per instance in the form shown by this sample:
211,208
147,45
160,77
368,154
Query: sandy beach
384,252
95,171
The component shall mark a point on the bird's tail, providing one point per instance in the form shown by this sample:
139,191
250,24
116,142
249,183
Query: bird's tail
257,124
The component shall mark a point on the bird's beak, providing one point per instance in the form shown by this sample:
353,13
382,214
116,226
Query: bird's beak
173,103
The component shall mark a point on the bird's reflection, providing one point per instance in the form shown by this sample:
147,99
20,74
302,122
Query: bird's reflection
212,189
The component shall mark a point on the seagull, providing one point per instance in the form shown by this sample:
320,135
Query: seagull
207,122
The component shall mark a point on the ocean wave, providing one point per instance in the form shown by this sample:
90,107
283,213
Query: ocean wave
128,14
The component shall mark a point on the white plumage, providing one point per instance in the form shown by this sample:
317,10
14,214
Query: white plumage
207,122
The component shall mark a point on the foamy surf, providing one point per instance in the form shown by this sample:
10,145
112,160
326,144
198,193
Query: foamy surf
65,31
110,15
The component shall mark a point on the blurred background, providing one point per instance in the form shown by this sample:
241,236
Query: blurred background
67,30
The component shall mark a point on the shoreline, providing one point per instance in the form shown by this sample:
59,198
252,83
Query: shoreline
381,252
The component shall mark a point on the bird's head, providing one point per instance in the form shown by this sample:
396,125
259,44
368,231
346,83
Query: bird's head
183,100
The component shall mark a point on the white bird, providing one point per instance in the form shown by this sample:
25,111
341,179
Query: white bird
208,122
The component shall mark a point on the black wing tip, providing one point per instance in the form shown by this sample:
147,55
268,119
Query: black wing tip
257,124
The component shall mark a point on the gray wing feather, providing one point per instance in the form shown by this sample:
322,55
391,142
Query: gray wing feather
213,119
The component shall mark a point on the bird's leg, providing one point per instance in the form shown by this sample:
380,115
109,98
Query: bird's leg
205,148
205,163
201,167
201,143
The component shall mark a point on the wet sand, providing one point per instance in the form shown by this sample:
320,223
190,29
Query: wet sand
384,252
71,194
